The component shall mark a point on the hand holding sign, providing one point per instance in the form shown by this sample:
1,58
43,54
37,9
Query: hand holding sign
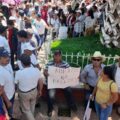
62,78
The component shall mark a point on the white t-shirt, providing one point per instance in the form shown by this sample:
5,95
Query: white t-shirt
79,26
40,26
89,22
7,80
63,32
56,24
27,78
4,42
117,78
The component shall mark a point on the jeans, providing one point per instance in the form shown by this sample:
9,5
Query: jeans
103,114
42,39
68,95
87,96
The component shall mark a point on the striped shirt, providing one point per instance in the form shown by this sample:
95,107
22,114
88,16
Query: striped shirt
62,64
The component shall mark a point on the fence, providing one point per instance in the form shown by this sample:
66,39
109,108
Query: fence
80,59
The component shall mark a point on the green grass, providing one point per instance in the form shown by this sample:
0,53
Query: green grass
88,44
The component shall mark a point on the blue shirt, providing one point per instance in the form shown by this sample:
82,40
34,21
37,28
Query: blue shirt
89,76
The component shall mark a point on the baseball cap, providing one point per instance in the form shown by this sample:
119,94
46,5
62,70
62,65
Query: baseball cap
2,29
4,53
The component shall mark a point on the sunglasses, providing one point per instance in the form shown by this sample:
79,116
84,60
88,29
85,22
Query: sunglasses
96,59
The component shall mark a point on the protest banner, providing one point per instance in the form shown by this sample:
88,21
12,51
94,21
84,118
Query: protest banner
62,78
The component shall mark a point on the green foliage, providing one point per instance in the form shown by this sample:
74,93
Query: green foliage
86,45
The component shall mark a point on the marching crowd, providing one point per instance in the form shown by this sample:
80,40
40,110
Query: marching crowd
23,30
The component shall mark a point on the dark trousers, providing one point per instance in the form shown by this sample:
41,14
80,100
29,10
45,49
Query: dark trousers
68,95
87,96
42,39
13,57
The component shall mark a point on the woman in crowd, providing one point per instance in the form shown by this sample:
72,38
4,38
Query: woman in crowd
90,23
105,93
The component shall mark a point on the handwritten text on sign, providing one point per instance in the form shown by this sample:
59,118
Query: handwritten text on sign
62,78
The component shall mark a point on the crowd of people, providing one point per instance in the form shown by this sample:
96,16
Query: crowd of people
23,30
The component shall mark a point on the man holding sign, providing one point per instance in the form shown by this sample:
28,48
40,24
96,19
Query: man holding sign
59,63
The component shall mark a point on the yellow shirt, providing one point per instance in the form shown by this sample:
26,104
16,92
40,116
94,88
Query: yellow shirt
104,89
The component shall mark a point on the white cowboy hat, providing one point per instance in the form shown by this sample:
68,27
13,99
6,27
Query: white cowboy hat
97,54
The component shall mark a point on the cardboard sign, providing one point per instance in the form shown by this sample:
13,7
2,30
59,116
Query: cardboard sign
62,78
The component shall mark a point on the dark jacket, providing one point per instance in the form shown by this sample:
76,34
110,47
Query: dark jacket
14,40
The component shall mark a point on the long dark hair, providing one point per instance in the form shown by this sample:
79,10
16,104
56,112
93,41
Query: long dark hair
107,70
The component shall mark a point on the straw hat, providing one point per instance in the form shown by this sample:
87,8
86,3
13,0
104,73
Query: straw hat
97,54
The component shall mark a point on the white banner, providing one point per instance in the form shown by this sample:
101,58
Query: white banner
62,78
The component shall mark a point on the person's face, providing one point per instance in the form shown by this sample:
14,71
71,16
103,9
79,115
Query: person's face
57,58
21,39
4,60
4,33
10,26
96,61
77,14
38,18
104,76
30,36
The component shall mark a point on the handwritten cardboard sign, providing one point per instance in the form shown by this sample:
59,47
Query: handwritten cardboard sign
62,78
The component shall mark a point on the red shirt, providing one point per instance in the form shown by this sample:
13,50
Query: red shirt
44,13
10,33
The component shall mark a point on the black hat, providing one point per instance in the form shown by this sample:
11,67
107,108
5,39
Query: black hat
4,53
25,59
2,29
22,33
58,52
